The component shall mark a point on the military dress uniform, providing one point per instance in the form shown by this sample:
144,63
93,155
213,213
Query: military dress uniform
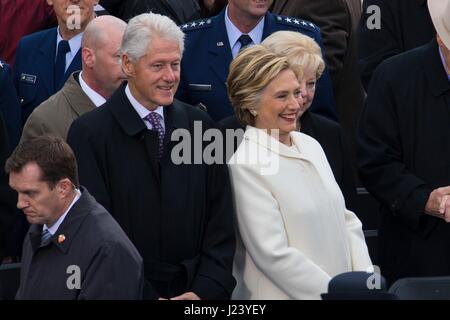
33,72
206,60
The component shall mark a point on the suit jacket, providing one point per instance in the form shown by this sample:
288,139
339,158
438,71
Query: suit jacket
109,264
9,106
338,21
180,217
405,24
404,153
55,115
207,57
296,233
34,69
329,134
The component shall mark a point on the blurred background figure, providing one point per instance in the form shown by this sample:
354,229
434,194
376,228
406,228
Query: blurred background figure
179,11
8,212
402,25
20,18
295,233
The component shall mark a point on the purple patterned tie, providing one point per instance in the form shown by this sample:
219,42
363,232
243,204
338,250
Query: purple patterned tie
154,119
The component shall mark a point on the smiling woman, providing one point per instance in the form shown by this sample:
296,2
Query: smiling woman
295,233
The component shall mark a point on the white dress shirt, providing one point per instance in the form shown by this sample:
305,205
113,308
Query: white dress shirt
58,222
234,33
96,99
143,111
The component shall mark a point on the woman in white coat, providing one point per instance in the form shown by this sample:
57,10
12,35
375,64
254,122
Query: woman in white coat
295,233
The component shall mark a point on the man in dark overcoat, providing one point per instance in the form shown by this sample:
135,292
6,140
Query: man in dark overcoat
74,248
404,155
178,213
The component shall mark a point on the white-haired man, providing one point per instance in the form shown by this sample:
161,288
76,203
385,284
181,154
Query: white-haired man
84,91
180,217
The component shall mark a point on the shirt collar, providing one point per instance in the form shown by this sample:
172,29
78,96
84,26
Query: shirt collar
74,42
140,109
444,64
58,222
234,33
96,98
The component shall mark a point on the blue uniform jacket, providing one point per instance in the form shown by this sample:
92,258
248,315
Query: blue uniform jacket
9,106
34,68
207,57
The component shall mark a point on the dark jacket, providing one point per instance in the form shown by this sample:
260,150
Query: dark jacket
207,58
7,195
405,24
180,217
404,154
178,11
119,8
88,239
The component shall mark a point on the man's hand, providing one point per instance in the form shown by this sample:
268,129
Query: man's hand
186,296
437,203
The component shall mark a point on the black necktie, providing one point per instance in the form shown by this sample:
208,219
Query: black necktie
60,65
244,39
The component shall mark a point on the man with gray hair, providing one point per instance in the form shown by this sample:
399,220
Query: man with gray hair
84,91
179,216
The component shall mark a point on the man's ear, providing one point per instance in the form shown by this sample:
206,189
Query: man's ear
64,187
127,66
88,57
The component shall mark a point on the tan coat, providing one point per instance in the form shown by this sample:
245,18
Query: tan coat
295,233
56,114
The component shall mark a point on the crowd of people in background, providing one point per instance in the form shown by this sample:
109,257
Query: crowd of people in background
97,96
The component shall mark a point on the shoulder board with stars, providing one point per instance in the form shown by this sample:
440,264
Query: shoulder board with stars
297,22
198,24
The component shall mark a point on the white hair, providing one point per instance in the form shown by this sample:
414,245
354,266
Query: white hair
142,29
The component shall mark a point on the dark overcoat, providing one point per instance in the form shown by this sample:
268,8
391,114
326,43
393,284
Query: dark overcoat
180,217
88,243
404,153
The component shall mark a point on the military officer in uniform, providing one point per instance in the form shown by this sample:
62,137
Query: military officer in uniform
212,43
45,59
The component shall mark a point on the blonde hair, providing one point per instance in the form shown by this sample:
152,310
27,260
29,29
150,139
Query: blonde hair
250,72
300,50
